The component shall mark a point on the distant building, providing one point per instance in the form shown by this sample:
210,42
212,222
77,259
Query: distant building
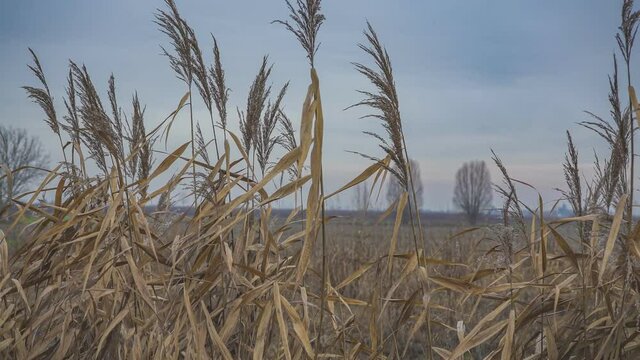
563,211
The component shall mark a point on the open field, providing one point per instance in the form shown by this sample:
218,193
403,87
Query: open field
96,261
356,248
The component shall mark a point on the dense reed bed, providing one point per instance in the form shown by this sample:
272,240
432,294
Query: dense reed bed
100,275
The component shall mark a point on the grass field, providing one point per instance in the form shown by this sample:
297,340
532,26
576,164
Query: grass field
98,274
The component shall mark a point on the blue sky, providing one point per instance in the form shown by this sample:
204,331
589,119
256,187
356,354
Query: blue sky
472,75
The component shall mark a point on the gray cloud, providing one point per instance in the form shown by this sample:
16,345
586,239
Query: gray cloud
472,76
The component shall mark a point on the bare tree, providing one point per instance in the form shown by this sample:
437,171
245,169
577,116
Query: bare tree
21,154
473,192
361,198
395,188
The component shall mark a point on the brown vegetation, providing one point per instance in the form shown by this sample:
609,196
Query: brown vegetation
98,277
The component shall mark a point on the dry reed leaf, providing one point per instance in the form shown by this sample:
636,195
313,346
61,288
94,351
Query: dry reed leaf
385,214
381,176
566,248
480,338
298,327
305,305
355,275
613,235
543,236
373,324
414,329
402,202
58,197
112,325
567,220
409,267
173,116
457,285
318,131
228,257
292,239
215,337
306,127
346,300
105,227
477,335
552,348
138,279
363,176
239,146
231,321
286,190
608,348
4,344
23,295
4,256
168,161
507,348
282,326
443,353
65,340
50,176
7,314
634,102
357,348
282,165
464,232
315,199
429,260
261,332
199,348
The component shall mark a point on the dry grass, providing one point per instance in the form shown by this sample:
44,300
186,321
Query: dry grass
101,277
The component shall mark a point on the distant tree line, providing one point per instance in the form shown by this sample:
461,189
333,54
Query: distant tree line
21,156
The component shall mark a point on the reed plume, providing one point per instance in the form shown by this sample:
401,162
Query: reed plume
181,38
287,132
203,83
202,145
617,134
140,145
258,94
42,96
265,139
98,132
385,103
116,119
220,91
199,70
626,38
572,178
306,22
72,123
287,139
628,29
511,209
171,24
209,183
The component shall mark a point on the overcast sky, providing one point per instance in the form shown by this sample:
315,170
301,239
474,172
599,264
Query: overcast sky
472,75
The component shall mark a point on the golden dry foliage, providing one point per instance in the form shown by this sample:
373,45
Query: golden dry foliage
101,275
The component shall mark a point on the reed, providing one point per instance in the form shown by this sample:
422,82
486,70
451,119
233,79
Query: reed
110,268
